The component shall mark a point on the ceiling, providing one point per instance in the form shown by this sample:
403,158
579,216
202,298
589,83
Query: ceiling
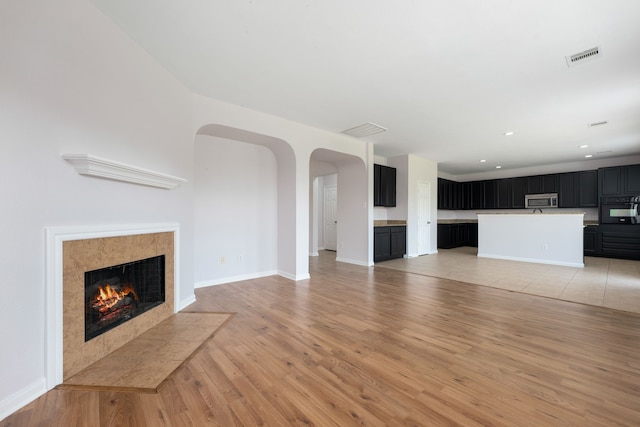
447,79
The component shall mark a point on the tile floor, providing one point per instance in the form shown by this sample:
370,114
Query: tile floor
613,283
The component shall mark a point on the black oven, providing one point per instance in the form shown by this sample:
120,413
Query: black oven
620,210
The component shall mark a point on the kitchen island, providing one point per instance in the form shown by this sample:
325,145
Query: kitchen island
546,238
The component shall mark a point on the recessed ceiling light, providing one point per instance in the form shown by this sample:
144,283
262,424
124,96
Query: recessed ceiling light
588,156
509,133
482,161
584,146
498,167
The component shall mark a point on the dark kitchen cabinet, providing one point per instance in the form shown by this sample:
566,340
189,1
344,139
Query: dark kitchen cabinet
453,195
619,180
588,189
384,186
550,183
491,194
518,191
471,238
568,190
389,242
456,235
534,184
477,195
542,184
398,241
619,241
610,181
504,194
591,241
381,244
578,189
632,179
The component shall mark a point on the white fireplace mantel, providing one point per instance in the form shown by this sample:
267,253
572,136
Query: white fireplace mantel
88,164
55,236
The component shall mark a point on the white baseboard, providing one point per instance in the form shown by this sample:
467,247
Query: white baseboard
185,302
294,277
222,281
314,254
22,397
353,261
532,260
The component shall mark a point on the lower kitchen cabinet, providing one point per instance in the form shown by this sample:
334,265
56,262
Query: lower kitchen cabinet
456,235
389,242
612,241
591,243
619,241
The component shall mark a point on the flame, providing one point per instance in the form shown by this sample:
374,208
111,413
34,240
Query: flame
107,296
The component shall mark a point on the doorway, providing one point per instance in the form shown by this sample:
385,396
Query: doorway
330,216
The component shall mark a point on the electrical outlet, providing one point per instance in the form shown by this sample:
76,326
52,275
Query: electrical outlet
545,247
222,260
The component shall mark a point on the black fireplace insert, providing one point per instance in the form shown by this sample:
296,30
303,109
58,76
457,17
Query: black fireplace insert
116,294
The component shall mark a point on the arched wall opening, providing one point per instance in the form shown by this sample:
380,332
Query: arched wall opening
245,206
353,207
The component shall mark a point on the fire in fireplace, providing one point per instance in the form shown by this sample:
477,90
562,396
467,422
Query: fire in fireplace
116,294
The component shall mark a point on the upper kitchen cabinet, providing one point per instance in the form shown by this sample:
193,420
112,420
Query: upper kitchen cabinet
578,189
632,179
518,190
568,190
450,194
542,184
384,186
619,180
588,189
504,193
491,194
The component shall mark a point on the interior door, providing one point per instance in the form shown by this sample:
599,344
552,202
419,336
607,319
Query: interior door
330,217
424,218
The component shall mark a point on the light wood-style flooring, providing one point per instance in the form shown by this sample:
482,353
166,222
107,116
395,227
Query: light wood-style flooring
359,346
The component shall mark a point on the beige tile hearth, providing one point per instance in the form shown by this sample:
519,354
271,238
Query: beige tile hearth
612,283
144,363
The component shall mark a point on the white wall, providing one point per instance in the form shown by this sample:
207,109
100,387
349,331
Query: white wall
71,82
293,144
235,211
353,208
399,212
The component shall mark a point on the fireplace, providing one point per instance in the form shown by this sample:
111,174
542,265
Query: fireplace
116,294
73,254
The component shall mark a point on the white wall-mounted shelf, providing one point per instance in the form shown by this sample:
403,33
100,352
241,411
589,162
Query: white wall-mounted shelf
87,164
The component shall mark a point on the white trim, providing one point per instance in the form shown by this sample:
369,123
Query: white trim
294,277
88,164
54,238
532,260
222,281
186,302
22,397
353,261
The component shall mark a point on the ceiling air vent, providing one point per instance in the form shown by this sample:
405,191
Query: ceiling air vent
366,129
582,57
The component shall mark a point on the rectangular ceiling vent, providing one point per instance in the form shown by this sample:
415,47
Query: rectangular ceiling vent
582,57
366,129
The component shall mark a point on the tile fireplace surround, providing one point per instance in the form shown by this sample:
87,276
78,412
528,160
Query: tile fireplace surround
72,253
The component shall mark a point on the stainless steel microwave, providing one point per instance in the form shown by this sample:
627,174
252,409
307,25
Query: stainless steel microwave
539,201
